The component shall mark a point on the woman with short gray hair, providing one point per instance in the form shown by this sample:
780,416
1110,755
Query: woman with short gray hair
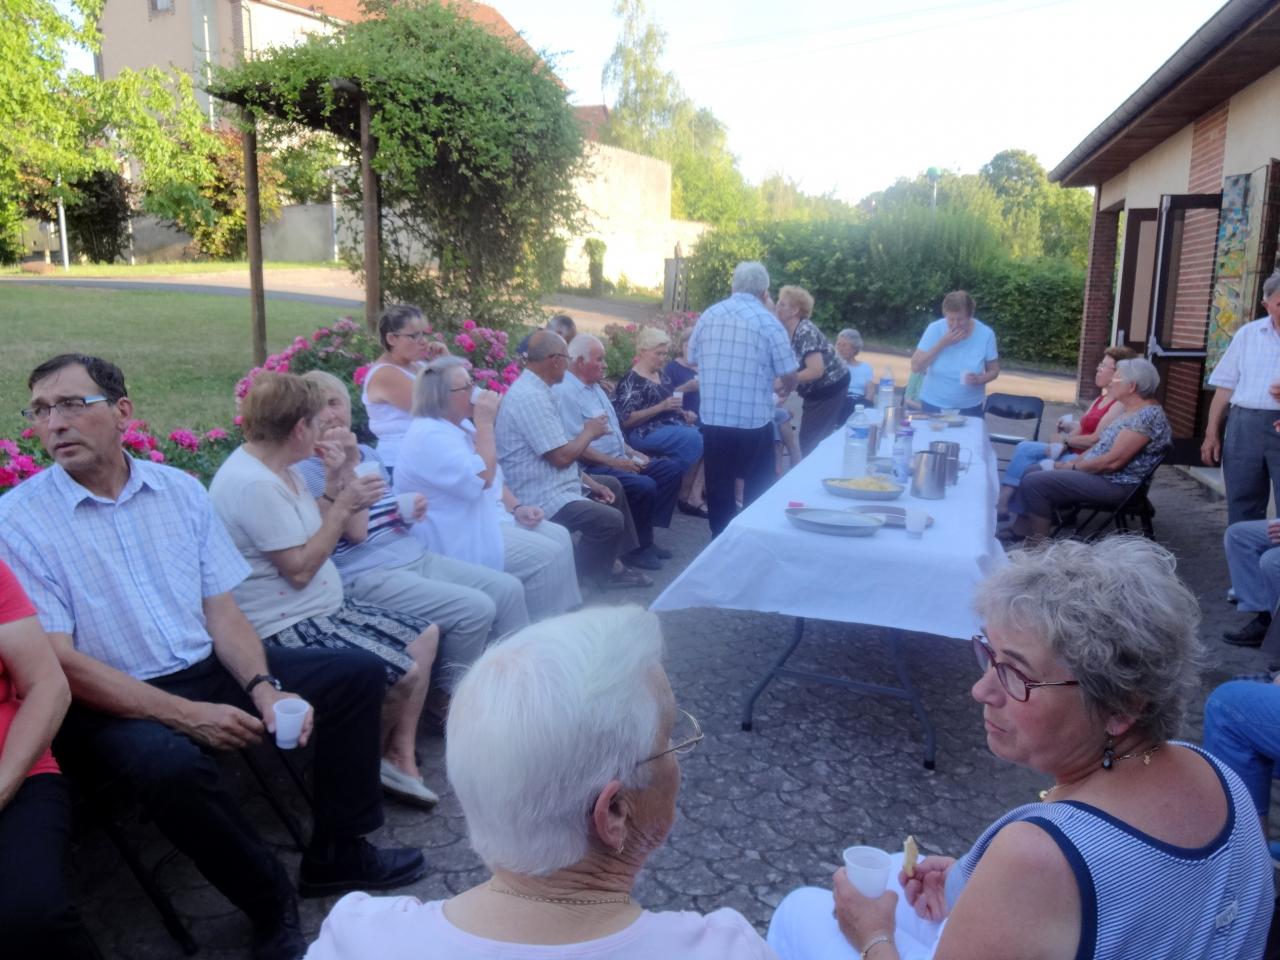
1141,847
862,379
1105,474
563,746
449,455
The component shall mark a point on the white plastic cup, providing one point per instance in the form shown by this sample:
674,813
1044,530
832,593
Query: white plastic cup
917,520
1046,463
476,392
1056,449
678,394
405,503
868,870
290,713
367,468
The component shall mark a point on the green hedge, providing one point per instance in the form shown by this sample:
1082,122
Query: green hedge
887,276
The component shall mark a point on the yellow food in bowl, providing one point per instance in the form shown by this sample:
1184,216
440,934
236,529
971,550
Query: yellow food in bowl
866,483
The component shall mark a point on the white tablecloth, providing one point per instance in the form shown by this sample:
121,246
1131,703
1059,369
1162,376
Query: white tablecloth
761,562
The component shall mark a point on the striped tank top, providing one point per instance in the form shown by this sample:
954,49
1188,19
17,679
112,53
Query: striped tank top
1143,898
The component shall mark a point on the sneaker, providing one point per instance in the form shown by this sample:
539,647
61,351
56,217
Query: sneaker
404,787
627,577
357,865
1251,634
281,939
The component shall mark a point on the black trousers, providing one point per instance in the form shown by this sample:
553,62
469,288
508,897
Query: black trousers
651,494
179,787
36,916
729,453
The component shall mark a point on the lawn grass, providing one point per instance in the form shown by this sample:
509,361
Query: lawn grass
123,271
181,353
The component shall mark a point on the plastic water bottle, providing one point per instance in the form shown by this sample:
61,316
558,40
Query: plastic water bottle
855,444
884,392
902,455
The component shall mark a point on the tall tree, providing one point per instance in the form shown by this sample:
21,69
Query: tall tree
61,126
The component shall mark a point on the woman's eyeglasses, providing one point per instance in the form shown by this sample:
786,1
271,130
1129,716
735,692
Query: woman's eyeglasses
1015,683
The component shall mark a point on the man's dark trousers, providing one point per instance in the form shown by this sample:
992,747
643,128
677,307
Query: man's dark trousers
730,453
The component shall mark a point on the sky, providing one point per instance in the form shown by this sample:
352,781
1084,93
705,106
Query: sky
846,96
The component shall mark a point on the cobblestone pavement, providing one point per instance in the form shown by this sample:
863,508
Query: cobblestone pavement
760,812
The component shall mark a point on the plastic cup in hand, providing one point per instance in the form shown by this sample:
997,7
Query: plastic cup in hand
1056,449
678,394
1046,463
405,503
917,520
476,392
290,713
868,870
367,469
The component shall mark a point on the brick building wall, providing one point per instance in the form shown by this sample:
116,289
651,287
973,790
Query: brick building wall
1099,294
1194,258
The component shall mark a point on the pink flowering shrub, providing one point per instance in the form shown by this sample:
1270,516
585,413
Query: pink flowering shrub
343,349
620,340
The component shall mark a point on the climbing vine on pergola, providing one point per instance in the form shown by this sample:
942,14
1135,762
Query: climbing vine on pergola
466,141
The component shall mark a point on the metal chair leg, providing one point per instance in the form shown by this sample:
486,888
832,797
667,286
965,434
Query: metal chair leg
159,899
282,812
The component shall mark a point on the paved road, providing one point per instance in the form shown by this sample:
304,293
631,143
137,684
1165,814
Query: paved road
759,813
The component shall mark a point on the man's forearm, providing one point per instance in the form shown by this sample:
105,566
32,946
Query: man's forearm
1217,409
103,688
562,456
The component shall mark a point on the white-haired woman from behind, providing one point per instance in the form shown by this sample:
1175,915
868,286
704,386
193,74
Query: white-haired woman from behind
563,747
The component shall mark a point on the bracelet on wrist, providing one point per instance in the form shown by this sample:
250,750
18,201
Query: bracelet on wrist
873,943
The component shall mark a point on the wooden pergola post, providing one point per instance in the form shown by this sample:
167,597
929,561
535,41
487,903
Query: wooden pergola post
253,232
371,208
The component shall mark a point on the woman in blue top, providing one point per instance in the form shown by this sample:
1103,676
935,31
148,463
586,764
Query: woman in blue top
957,355
1140,847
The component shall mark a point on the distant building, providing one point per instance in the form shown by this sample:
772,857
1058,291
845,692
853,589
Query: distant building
1186,220
627,196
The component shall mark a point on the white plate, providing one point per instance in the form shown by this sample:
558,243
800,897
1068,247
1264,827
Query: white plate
838,523
852,493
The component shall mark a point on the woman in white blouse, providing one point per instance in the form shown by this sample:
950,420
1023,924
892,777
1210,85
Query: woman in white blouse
449,456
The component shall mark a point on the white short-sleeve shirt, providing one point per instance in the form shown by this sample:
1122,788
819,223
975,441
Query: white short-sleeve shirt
1250,365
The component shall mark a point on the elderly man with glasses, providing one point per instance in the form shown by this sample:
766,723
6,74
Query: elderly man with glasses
540,463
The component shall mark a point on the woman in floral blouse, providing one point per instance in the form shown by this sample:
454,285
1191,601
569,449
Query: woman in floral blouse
824,378
654,420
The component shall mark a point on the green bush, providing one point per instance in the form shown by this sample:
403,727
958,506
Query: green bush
549,264
594,248
887,277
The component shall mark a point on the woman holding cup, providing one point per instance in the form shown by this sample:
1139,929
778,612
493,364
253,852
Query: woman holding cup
1076,438
1143,846
293,595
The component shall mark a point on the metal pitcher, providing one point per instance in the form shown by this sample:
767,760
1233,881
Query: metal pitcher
951,450
929,475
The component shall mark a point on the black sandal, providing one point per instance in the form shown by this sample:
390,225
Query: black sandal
684,506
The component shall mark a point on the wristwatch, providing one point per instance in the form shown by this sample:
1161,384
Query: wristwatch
261,678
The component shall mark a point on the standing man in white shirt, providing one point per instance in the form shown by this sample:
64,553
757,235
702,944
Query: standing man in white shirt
1248,379
740,350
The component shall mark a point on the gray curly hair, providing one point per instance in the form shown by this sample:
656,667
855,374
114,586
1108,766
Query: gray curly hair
1116,614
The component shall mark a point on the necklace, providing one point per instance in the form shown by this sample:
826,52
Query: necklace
574,901
1144,754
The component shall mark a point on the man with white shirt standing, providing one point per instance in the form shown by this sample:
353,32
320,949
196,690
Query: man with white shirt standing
740,350
1247,378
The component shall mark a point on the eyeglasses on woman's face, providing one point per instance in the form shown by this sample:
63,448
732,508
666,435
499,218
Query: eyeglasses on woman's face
685,735
1015,683
420,336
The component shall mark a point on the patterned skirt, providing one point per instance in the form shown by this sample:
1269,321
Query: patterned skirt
358,626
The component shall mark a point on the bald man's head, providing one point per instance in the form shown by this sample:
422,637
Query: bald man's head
548,356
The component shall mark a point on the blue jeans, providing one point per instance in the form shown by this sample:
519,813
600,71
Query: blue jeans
1254,562
1242,729
1026,454
683,444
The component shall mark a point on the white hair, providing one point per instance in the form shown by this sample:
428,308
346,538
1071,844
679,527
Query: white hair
542,722
750,276
581,345
1270,285
1142,373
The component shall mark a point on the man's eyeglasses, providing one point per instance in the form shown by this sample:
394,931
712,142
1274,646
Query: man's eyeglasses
1016,684
69,407
421,336
685,735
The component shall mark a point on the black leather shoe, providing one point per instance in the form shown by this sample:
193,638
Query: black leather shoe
280,940
662,553
645,558
358,865
1251,634
684,506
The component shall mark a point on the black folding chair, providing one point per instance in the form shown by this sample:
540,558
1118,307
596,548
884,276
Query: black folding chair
1012,406
1136,506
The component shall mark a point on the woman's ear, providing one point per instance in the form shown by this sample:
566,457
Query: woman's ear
609,816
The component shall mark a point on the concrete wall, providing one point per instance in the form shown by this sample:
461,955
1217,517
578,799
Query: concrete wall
303,233
628,202
156,242
1163,169
1253,134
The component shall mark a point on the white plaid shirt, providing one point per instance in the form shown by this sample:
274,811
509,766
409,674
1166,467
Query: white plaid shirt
578,402
739,348
125,578
529,426
1250,365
